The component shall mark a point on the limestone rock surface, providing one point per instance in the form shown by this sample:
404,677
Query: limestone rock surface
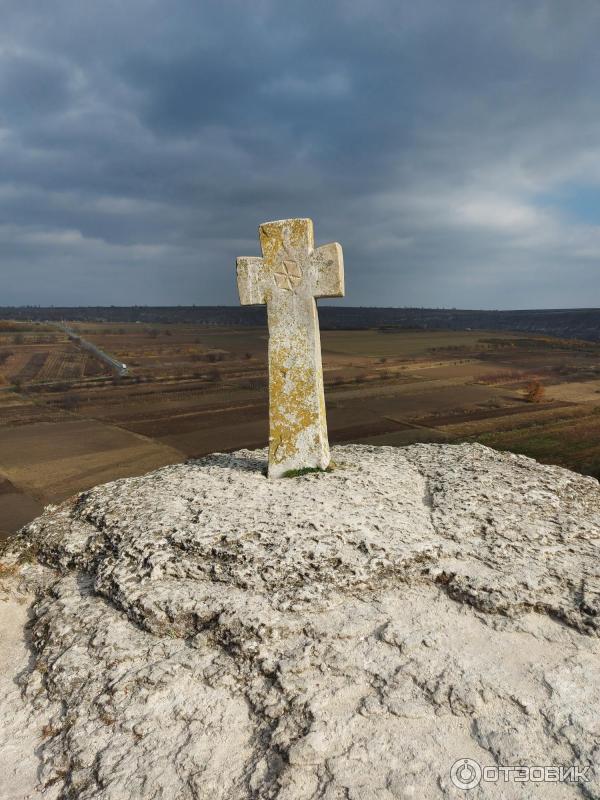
203,632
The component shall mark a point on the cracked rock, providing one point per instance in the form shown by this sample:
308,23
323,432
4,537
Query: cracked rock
203,632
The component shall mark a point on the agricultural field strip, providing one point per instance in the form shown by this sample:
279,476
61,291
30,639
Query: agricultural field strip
577,391
530,419
52,366
401,364
409,423
419,386
32,345
202,396
574,443
34,364
336,393
204,412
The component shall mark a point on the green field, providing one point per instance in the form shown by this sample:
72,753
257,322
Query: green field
569,443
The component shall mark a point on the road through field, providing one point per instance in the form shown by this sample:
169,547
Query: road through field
89,347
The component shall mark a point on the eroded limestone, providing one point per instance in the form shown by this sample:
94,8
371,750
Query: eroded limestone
202,632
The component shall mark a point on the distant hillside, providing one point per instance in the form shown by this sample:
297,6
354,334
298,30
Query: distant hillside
576,323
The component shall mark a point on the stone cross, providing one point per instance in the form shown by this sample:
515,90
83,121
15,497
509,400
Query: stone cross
288,278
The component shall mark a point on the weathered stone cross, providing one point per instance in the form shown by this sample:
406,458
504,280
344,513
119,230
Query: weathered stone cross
288,278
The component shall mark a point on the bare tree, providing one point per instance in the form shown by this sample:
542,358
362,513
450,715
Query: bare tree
534,393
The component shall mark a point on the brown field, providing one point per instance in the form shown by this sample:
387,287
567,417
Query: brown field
68,423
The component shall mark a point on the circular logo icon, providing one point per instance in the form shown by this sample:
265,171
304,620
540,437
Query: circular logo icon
465,773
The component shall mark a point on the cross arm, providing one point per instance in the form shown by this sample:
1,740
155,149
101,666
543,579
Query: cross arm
329,263
250,280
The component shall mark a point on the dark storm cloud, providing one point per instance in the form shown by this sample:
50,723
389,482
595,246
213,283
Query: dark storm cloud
452,147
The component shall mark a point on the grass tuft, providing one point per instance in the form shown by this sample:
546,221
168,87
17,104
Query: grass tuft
297,473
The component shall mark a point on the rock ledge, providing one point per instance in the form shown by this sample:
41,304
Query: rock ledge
203,632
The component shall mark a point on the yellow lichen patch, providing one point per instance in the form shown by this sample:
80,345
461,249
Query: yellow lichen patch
285,237
292,407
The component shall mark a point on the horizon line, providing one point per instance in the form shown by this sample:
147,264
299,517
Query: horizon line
320,305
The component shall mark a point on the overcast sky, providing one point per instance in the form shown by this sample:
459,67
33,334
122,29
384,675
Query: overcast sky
451,146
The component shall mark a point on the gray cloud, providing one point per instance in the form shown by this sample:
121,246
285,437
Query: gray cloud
142,143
